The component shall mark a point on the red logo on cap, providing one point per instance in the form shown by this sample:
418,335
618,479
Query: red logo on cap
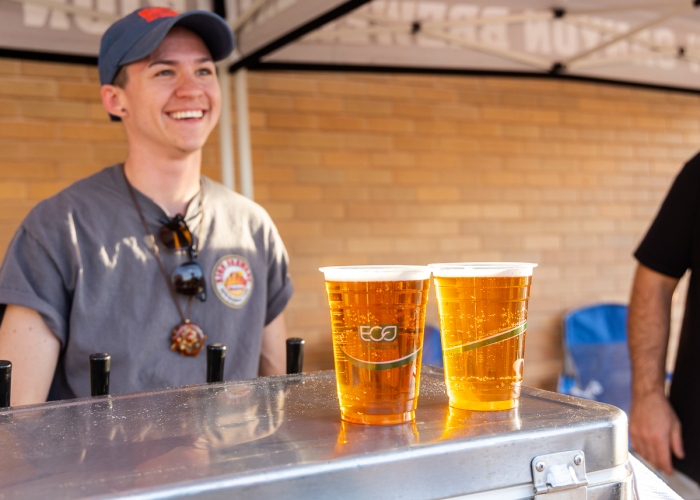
152,13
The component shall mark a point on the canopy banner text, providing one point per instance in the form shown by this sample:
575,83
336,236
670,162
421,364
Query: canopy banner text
70,27
625,40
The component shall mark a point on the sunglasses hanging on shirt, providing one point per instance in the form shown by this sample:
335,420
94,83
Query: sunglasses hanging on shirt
187,278
187,337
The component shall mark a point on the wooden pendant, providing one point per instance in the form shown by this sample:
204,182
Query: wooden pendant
187,338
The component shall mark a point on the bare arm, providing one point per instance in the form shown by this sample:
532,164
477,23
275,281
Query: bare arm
273,354
655,430
27,342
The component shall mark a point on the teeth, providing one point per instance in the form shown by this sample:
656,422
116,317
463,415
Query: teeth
181,115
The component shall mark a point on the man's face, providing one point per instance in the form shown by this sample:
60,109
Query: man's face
172,97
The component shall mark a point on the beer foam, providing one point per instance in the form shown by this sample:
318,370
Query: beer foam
375,273
480,269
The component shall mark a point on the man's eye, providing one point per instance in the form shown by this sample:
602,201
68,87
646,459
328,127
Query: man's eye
165,72
205,71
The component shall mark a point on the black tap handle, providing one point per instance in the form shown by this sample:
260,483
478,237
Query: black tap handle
100,365
295,355
216,355
5,383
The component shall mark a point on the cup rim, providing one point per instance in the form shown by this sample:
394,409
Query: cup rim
473,269
375,272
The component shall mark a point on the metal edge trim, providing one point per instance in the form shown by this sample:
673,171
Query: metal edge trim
618,474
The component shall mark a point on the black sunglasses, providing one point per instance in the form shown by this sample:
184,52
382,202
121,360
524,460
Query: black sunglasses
187,278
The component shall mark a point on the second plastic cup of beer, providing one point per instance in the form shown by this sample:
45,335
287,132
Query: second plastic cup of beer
483,320
377,318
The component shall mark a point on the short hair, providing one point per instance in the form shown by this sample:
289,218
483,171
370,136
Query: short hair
121,78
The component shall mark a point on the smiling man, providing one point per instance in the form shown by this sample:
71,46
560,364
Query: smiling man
147,260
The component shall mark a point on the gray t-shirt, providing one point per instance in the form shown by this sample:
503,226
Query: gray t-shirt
83,261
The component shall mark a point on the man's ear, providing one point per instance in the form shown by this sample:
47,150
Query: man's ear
113,100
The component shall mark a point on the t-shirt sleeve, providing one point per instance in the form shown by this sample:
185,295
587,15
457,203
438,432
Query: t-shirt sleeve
667,247
279,283
30,277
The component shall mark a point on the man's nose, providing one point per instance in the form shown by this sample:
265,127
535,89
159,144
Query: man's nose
188,86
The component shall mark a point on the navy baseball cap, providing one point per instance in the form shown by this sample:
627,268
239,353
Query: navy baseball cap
137,35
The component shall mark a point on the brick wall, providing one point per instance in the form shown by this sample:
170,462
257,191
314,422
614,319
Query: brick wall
376,169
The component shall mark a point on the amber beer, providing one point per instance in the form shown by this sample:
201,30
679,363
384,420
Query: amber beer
483,321
377,321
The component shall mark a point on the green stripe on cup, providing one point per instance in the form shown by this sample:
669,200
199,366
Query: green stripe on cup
382,365
498,337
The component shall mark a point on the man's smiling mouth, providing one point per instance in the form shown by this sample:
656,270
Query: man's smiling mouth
182,115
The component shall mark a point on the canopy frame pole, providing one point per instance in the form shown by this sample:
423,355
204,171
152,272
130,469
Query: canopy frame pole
615,39
509,19
607,61
350,34
533,61
514,56
249,13
228,168
655,50
228,176
621,8
72,9
245,161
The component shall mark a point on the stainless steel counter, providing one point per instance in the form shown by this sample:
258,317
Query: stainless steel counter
282,437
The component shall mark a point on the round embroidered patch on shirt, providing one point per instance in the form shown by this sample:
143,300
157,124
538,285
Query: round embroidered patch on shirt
232,280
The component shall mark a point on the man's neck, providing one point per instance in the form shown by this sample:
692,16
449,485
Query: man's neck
170,183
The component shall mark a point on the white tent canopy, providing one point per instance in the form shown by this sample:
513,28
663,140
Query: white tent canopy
631,41
69,28
641,42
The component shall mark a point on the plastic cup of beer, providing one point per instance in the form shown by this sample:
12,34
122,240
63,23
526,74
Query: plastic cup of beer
483,321
377,320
